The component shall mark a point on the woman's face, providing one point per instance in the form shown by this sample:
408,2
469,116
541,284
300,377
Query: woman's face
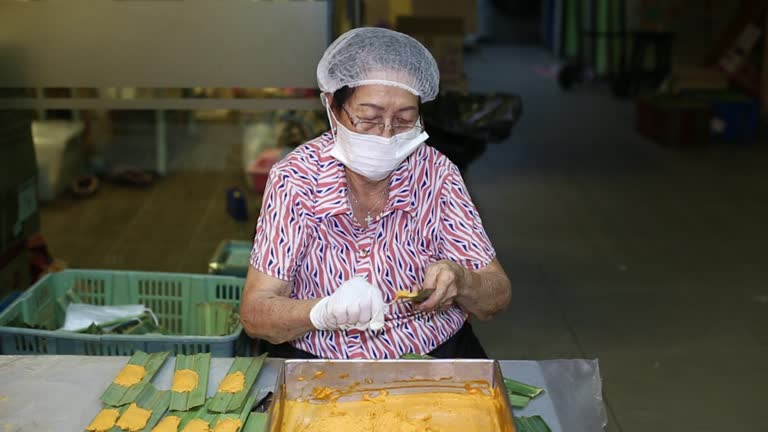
380,104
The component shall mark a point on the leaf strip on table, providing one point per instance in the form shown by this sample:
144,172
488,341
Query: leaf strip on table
243,415
201,364
518,401
229,402
199,413
531,424
522,389
117,395
151,399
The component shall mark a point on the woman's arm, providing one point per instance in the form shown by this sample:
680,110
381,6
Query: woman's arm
482,293
267,311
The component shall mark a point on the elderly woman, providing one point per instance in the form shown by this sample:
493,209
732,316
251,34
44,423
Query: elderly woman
367,210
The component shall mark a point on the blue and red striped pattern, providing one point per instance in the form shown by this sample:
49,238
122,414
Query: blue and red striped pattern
306,234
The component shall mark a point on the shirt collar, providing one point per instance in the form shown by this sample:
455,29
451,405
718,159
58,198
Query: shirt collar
331,193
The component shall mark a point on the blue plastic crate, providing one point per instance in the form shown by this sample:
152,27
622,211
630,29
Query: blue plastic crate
736,121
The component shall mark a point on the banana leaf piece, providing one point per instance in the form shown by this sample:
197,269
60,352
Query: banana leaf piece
257,422
518,401
200,363
117,395
199,413
412,356
151,399
531,424
228,402
522,389
243,415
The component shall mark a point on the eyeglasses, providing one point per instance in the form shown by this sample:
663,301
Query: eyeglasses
374,128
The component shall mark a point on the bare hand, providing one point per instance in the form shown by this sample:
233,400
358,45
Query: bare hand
447,279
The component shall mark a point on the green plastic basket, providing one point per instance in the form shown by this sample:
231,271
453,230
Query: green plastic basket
172,297
231,258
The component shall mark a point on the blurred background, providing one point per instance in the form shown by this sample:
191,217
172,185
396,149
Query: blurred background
616,150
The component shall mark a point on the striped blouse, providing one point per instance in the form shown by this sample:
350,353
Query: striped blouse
306,234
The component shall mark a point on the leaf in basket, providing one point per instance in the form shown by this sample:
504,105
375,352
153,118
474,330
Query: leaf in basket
145,325
92,329
228,402
117,395
215,318
201,364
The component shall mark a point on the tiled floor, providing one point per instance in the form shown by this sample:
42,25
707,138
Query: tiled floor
174,225
651,260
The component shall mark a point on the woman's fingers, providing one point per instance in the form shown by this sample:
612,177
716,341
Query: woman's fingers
430,278
364,317
445,291
442,286
430,283
353,313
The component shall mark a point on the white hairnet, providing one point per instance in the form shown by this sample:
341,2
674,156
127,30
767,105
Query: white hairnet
371,55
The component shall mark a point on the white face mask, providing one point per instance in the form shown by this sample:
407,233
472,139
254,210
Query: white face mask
373,156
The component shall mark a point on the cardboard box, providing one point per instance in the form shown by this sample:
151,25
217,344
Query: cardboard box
14,270
384,13
684,78
464,9
674,121
443,37
18,179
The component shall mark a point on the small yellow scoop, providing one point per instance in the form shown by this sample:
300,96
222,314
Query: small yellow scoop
413,297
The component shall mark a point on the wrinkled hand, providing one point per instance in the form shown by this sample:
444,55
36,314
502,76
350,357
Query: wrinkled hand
356,304
446,278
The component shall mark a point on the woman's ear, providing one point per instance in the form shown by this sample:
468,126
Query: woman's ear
327,99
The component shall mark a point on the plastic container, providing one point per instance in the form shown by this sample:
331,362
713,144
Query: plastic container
474,116
258,172
59,157
172,297
736,120
231,258
257,139
460,125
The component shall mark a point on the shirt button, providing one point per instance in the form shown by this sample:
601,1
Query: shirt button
362,253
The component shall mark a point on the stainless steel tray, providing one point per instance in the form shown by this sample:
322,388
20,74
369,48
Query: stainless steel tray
298,378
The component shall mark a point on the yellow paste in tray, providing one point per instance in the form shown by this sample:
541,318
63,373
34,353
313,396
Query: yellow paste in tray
168,424
130,375
104,420
232,383
184,380
228,425
197,425
134,418
422,412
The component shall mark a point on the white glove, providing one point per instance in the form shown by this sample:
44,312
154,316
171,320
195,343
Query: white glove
356,304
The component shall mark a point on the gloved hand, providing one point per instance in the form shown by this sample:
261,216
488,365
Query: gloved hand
356,304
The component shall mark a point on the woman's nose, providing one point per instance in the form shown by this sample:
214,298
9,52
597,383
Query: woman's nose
388,131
